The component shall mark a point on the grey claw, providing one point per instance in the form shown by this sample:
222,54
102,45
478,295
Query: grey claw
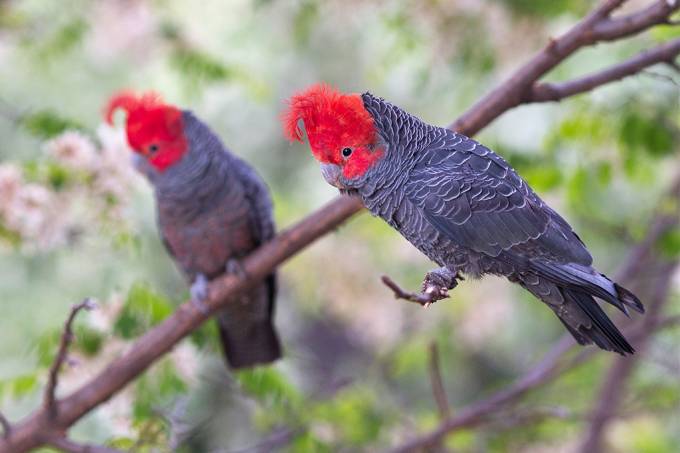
234,267
199,293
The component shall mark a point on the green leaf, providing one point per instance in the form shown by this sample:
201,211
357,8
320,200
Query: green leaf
669,243
47,124
88,340
143,308
269,385
23,385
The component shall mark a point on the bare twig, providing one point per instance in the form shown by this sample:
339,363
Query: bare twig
664,53
437,383
62,353
64,444
425,298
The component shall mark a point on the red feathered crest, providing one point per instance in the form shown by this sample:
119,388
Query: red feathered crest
148,117
332,119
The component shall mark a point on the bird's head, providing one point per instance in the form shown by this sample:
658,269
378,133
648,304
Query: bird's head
154,129
341,132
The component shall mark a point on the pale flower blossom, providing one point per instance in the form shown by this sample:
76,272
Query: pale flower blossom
11,180
73,150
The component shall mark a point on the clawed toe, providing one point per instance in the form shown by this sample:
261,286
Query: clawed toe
199,293
234,267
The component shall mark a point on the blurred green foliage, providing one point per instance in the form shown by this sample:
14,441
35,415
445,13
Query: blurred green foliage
355,375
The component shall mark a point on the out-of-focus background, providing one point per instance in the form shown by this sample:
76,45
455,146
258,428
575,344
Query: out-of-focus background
76,221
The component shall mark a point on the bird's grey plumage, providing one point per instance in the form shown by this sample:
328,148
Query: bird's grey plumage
213,208
465,208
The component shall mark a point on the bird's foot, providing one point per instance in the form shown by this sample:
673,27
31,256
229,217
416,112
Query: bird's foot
438,282
435,287
199,293
234,267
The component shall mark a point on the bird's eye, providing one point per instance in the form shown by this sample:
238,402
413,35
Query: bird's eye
346,152
153,148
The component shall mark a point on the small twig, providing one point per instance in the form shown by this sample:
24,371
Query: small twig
437,383
6,426
659,76
49,400
64,444
425,298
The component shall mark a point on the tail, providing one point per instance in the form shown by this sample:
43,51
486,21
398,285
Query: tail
586,279
570,291
247,330
597,328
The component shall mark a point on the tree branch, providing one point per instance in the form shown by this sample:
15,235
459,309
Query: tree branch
516,88
665,53
438,391
424,298
62,353
657,13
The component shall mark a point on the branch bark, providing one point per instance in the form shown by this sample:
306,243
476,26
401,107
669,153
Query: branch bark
665,53
516,88
36,429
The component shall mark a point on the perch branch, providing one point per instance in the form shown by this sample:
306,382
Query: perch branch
425,298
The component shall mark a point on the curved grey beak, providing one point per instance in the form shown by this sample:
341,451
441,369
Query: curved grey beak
331,173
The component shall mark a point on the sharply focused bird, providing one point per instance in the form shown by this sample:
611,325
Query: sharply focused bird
213,209
459,203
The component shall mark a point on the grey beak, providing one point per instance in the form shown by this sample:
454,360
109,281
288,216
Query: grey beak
331,173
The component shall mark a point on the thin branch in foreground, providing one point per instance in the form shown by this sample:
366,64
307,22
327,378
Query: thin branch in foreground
437,382
68,446
62,353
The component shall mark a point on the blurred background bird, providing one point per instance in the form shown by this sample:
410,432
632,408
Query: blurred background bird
213,209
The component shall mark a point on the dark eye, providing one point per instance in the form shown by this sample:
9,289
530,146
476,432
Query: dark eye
346,152
153,148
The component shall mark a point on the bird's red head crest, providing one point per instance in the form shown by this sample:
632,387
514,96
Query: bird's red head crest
339,129
154,129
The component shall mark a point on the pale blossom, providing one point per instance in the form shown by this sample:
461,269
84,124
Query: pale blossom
11,180
73,150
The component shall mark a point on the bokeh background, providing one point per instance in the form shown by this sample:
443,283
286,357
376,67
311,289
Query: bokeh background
76,221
